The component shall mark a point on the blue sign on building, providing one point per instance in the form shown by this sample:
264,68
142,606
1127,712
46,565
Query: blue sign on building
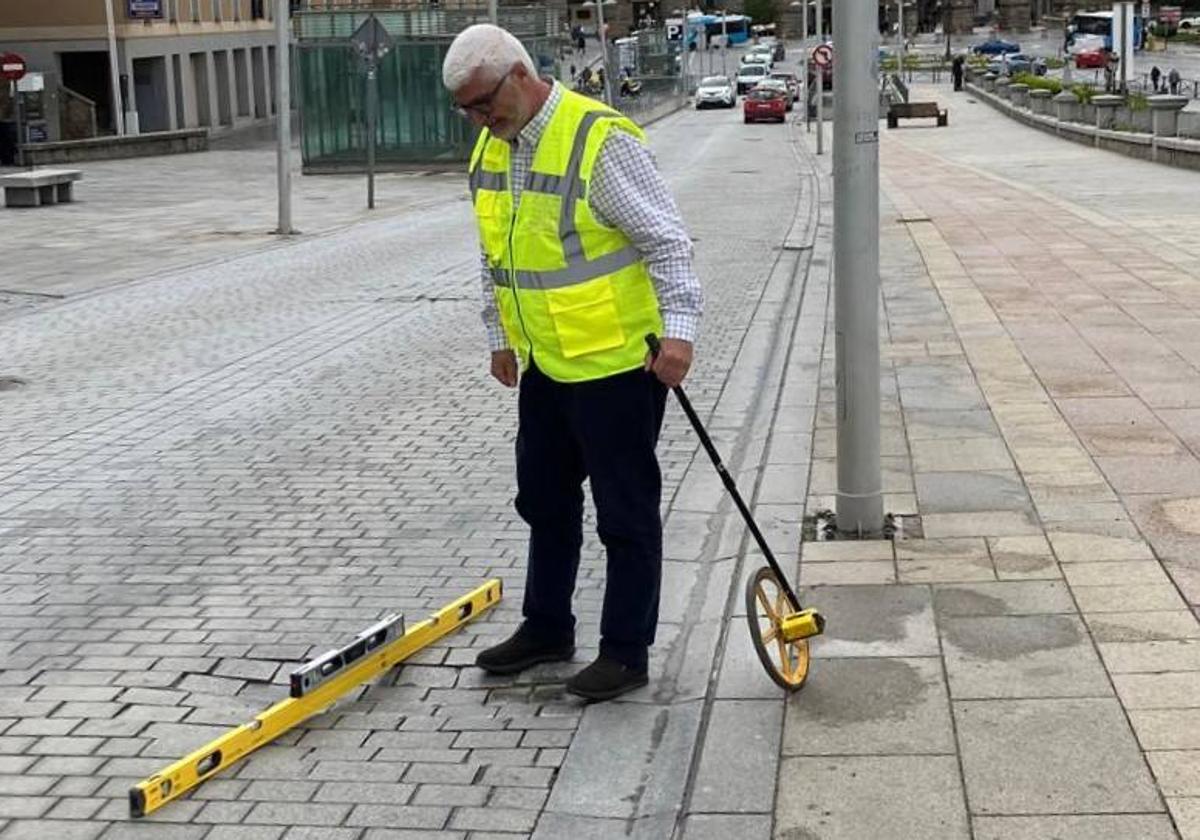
145,8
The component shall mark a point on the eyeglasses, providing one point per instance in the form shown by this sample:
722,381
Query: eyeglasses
483,104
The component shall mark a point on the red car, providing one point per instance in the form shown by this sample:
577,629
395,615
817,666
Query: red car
765,103
1093,58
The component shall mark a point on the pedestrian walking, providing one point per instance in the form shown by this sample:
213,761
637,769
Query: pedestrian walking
1173,80
1155,75
956,72
584,253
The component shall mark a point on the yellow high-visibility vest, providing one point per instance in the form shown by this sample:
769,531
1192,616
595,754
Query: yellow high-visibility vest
572,292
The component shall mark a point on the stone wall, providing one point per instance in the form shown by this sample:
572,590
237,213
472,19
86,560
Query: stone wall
109,148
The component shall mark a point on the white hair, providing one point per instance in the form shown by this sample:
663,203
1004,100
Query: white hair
483,47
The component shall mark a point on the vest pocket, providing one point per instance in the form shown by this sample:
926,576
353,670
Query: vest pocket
585,317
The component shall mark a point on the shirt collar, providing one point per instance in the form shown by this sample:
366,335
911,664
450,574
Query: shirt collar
533,130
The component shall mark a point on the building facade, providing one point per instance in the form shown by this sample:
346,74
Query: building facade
180,63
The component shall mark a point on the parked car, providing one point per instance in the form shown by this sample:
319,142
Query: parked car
1091,59
749,75
996,46
765,103
1017,63
1190,23
793,84
715,92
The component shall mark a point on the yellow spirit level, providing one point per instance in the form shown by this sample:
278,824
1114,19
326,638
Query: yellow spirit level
314,687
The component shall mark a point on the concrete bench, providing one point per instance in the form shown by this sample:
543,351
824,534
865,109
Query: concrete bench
41,186
916,110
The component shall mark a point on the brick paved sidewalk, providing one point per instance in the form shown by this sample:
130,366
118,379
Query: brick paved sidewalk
211,475
1031,666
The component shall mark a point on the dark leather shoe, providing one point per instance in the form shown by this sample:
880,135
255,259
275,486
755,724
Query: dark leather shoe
605,679
522,650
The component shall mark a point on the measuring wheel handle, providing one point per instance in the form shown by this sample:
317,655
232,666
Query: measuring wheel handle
779,627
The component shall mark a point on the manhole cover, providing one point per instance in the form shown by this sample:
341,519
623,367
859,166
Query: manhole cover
11,383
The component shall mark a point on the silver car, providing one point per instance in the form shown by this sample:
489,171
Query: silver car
715,92
749,75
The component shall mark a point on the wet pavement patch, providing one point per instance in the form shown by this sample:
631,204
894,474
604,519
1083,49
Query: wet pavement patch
874,620
1021,656
12,383
870,706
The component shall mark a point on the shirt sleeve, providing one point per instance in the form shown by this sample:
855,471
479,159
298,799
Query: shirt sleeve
627,192
497,340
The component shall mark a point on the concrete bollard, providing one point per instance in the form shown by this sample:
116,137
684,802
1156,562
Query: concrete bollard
989,81
1066,106
1039,101
1018,94
1002,86
1164,113
1106,105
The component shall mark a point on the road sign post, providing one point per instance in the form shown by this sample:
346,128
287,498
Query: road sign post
822,57
820,80
12,70
856,266
372,42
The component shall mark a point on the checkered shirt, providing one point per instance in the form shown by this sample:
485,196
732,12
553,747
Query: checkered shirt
628,193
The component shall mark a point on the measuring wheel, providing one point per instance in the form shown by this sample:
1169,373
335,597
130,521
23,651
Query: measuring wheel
769,613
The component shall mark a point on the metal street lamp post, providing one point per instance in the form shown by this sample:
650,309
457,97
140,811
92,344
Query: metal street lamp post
856,268
600,28
283,115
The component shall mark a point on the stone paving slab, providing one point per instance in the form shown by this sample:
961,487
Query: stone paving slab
851,797
1036,368
871,707
741,749
1021,656
873,621
1074,755
1090,827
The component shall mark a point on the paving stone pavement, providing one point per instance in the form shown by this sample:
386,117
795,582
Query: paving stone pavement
212,473
1027,665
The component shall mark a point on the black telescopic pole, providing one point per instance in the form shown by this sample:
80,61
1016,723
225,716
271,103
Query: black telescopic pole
727,480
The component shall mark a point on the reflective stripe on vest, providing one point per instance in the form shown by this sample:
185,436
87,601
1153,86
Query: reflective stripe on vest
569,187
579,271
480,179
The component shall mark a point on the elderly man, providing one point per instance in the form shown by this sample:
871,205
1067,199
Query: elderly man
584,254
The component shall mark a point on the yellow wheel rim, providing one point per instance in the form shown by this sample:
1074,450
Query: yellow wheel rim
766,607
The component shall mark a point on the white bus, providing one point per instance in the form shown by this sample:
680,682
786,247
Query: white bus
1092,31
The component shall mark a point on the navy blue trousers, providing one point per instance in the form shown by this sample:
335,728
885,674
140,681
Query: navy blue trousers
606,431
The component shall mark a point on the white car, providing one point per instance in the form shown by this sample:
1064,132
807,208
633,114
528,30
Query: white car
1189,23
715,92
749,75
757,58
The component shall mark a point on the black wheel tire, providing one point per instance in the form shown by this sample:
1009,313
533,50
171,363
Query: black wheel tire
764,573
